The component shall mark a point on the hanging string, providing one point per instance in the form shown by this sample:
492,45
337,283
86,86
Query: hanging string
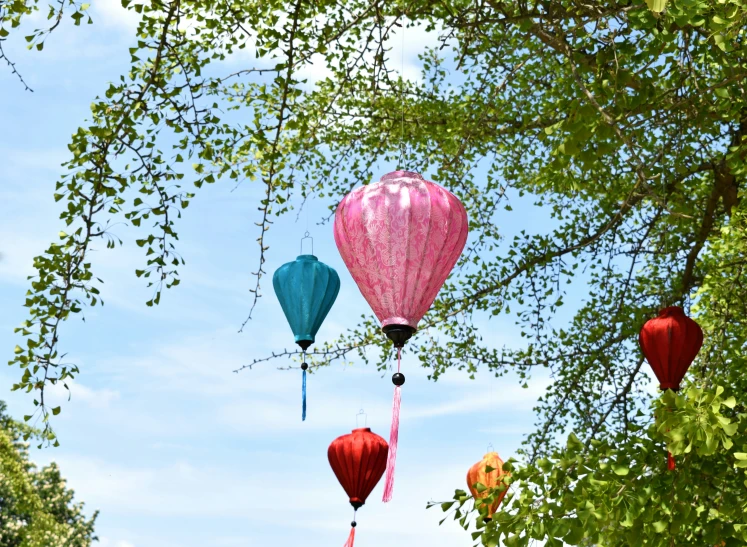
304,366
402,98
393,435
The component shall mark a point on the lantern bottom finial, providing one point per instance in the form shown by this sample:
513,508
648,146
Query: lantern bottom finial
399,334
304,344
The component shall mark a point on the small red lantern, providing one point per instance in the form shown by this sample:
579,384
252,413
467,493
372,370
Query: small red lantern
670,343
358,459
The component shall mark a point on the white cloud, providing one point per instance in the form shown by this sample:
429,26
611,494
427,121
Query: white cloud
18,251
404,45
32,159
107,542
481,399
111,14
267,401
315,501
93,398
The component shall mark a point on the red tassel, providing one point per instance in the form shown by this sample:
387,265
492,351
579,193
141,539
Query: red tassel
351,538
393,438
670,461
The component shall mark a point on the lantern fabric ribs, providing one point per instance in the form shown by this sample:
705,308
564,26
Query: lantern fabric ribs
478,474
306,289
358,460
400,239
670,343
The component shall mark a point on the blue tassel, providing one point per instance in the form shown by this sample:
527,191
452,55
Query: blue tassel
303,395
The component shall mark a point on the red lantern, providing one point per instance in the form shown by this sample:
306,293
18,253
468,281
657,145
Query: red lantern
670,343
358,459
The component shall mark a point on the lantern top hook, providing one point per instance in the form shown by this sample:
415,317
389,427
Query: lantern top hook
307,236
365,418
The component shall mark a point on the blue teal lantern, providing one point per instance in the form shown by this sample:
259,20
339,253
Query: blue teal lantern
306,289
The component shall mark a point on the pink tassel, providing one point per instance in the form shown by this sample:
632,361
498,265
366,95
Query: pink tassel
393,438
351,538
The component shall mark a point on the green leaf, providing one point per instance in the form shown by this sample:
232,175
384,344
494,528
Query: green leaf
657,6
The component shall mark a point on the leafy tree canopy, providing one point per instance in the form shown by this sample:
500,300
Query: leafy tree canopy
36,508
626,120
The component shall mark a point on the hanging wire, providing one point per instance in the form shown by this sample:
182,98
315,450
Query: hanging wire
365,419
402,96
490,448
307,236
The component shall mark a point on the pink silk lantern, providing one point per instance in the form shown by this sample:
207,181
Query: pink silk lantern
400,238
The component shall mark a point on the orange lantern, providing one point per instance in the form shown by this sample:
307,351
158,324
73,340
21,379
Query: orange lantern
489,479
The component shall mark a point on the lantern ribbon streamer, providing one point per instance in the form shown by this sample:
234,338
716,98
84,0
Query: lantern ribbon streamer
303,392
351,538
670,459
393,438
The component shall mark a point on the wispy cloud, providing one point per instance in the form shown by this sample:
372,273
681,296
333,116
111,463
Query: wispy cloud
112,15
107,542
96,399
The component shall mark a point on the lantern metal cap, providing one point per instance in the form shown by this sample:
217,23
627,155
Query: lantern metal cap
672,311
399,334
304,341
307,257
401,175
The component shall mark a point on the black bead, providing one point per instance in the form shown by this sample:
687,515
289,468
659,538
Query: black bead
304,366
398,379
353,524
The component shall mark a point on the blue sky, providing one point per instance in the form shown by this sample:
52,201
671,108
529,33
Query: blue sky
161,436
